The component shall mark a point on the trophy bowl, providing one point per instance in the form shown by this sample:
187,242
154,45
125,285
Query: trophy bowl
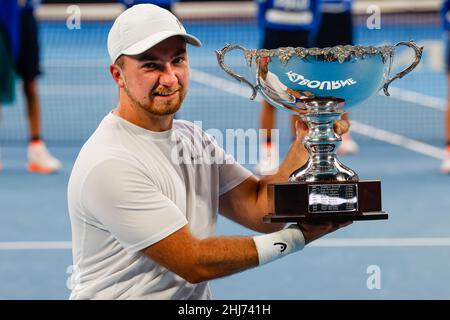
319,85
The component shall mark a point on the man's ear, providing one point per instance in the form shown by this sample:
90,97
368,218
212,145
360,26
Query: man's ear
117,75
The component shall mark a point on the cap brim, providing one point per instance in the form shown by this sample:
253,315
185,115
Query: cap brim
154,39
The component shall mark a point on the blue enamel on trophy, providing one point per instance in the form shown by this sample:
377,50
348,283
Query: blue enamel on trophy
319,85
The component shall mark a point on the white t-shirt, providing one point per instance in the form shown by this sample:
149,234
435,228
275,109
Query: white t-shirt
127,192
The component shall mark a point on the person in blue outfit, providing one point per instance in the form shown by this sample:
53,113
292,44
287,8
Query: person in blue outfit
336,28
9,14
445,13
24,32
283,24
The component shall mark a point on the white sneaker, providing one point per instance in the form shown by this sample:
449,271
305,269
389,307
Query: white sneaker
348,146
269,160
40,160
445,166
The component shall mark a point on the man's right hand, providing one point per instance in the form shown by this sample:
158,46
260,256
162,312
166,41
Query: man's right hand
313,231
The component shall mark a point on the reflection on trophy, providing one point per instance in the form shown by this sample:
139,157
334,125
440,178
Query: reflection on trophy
319,85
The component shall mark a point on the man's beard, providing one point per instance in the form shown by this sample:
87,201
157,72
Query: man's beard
166,108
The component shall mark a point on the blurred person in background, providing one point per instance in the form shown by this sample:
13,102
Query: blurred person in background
445,12
336,28
28,69
9,14
283,24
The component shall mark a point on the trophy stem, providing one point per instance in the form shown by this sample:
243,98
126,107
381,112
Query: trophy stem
322,143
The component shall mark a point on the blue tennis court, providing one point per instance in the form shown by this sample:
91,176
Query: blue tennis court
400,137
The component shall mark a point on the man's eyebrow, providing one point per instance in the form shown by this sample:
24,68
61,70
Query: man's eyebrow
149,57
145,57
180,52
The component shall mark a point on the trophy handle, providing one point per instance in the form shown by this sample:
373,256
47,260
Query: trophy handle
418,51
221,59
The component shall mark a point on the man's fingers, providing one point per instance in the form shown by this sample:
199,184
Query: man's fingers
300,125
341,126
301,129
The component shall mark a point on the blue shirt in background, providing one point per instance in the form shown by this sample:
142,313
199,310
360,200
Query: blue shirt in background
445,15
31,4
9,22
335,6
288,14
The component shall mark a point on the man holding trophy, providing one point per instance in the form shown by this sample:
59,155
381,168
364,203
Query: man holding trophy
143,222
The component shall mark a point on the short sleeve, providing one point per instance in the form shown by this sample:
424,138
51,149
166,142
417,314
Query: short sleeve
129,205
231,173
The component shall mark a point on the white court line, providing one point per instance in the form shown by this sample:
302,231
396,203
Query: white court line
235,88
324,243
382,242
396,139
36,245
417,98
361,128
78,90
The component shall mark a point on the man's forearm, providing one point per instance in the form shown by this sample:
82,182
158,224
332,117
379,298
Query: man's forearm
221,256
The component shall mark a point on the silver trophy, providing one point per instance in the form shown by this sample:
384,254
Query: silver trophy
319,85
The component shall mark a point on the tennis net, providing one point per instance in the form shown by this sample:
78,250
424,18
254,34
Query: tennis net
76,89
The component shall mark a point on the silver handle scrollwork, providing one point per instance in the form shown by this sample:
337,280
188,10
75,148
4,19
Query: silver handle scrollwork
418,51
221,59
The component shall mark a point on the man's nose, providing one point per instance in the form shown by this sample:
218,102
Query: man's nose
168,76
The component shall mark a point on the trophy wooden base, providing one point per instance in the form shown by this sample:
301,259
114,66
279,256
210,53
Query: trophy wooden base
325,201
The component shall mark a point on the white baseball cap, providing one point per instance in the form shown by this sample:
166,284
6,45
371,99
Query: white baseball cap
142,26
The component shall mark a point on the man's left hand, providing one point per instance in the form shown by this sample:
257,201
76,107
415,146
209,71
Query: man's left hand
340,126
